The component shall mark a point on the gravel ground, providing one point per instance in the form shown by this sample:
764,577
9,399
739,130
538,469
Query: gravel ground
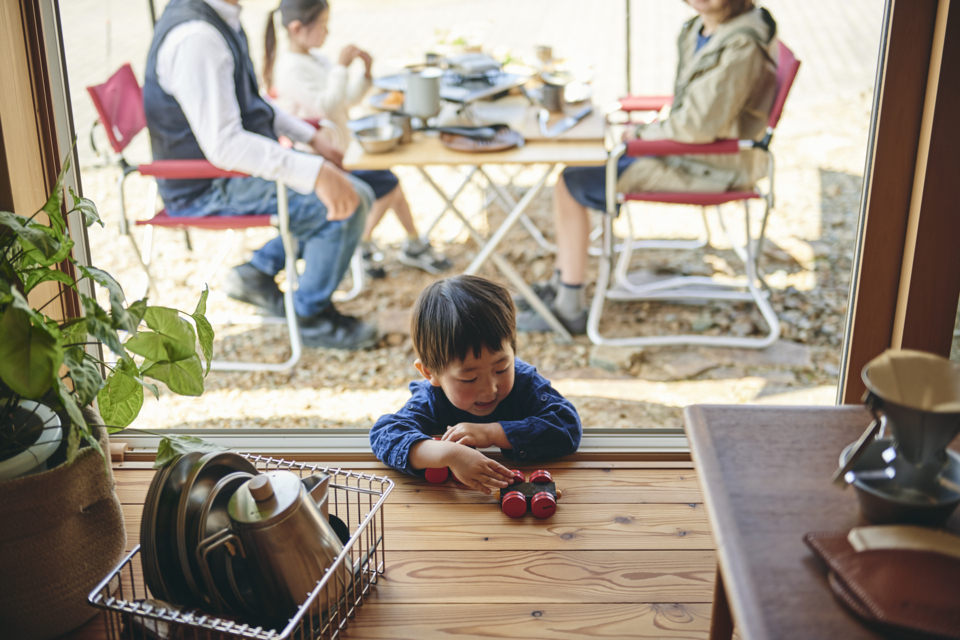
820,153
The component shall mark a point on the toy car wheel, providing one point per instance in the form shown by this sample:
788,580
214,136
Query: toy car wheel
514,504
543,505
518,477
541,477
436,476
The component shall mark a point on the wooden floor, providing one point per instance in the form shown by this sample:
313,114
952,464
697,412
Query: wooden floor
628,554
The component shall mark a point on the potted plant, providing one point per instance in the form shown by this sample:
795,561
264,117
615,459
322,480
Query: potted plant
61,529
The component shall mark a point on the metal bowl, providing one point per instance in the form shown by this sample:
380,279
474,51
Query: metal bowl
912,496
379,139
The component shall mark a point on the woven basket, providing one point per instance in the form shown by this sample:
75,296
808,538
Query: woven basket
61,532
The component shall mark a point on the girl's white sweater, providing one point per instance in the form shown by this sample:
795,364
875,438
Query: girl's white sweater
311,86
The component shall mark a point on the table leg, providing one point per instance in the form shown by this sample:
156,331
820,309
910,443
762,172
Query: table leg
449,200
562,335
508,223
721,622
511,203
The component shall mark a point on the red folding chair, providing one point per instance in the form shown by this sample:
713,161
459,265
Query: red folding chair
689,288
119,103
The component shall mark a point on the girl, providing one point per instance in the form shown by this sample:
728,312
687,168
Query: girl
310,86
725,87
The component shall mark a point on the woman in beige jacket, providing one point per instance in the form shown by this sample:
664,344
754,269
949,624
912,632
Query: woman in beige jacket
725,88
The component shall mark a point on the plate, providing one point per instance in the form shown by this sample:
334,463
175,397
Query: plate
386,101
505,138
148,543
204,475
162,536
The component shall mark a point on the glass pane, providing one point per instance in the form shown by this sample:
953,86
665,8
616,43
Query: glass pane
820,147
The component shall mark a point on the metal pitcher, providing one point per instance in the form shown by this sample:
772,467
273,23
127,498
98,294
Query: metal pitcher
282,527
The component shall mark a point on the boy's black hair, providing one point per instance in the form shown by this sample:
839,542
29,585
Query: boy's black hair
460,314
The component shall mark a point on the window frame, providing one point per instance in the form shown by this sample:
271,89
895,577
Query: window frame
899,294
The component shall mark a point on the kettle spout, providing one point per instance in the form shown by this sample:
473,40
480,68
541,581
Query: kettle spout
317,486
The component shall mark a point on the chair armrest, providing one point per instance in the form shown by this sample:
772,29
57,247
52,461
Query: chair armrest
671,148
186,170
644,103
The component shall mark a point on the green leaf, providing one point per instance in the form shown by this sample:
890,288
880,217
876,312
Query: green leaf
29,357
204,329
175,445
184,377
121,318
55,201
121,398
180,338
43,274
33,237
171,340
100,326
87,208
34,256
76,418
137,310
86,377
39,320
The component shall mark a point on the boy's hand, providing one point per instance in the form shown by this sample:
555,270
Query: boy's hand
477,435
479,472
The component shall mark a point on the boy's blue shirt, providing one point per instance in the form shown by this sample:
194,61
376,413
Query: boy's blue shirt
538,422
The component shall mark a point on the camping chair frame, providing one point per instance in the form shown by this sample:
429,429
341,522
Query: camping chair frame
751,287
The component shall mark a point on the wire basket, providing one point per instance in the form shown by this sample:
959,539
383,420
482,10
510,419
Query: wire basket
354,497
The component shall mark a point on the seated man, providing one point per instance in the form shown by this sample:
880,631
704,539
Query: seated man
725,88
201,101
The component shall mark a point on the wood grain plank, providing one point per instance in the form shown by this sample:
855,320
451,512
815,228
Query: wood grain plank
576,526
580,486
584,486
546,577
541,621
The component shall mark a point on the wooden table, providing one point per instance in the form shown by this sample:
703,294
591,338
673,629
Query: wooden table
628,555
765,475
427,150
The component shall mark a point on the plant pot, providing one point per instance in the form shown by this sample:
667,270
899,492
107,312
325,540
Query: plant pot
34,458
61,532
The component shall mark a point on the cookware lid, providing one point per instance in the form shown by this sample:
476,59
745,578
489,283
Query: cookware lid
266,498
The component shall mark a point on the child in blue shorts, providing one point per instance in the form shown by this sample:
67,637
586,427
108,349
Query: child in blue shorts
475,392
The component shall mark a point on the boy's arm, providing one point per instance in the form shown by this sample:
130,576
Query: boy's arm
393,435
551,430
471,467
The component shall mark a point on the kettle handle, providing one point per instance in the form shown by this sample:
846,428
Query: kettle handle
318,486
204,547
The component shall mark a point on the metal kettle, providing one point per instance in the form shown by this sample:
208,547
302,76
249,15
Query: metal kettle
281,524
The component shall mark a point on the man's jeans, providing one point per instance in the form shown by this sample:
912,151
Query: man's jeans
327,247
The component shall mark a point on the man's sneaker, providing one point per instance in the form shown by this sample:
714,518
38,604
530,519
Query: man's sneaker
546,291
530,321
331,329
372,257
417,253
248,284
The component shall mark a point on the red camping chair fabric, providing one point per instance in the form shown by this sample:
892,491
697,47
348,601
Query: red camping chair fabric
690,288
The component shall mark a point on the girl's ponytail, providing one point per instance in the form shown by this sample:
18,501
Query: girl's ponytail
270,51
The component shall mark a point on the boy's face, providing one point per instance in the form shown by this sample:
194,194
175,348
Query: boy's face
476,385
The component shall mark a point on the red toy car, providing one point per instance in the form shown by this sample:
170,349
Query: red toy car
540,495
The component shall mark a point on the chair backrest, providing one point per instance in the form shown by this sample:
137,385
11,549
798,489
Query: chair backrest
787,68
119,103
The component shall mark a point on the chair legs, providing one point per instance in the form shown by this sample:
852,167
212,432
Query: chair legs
681,288
293,329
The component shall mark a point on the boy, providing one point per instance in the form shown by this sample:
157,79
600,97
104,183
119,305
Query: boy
475,392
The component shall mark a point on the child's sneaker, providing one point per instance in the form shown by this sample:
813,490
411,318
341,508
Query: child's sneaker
417,253
372,257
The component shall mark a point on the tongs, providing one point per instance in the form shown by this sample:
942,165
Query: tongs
477,133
